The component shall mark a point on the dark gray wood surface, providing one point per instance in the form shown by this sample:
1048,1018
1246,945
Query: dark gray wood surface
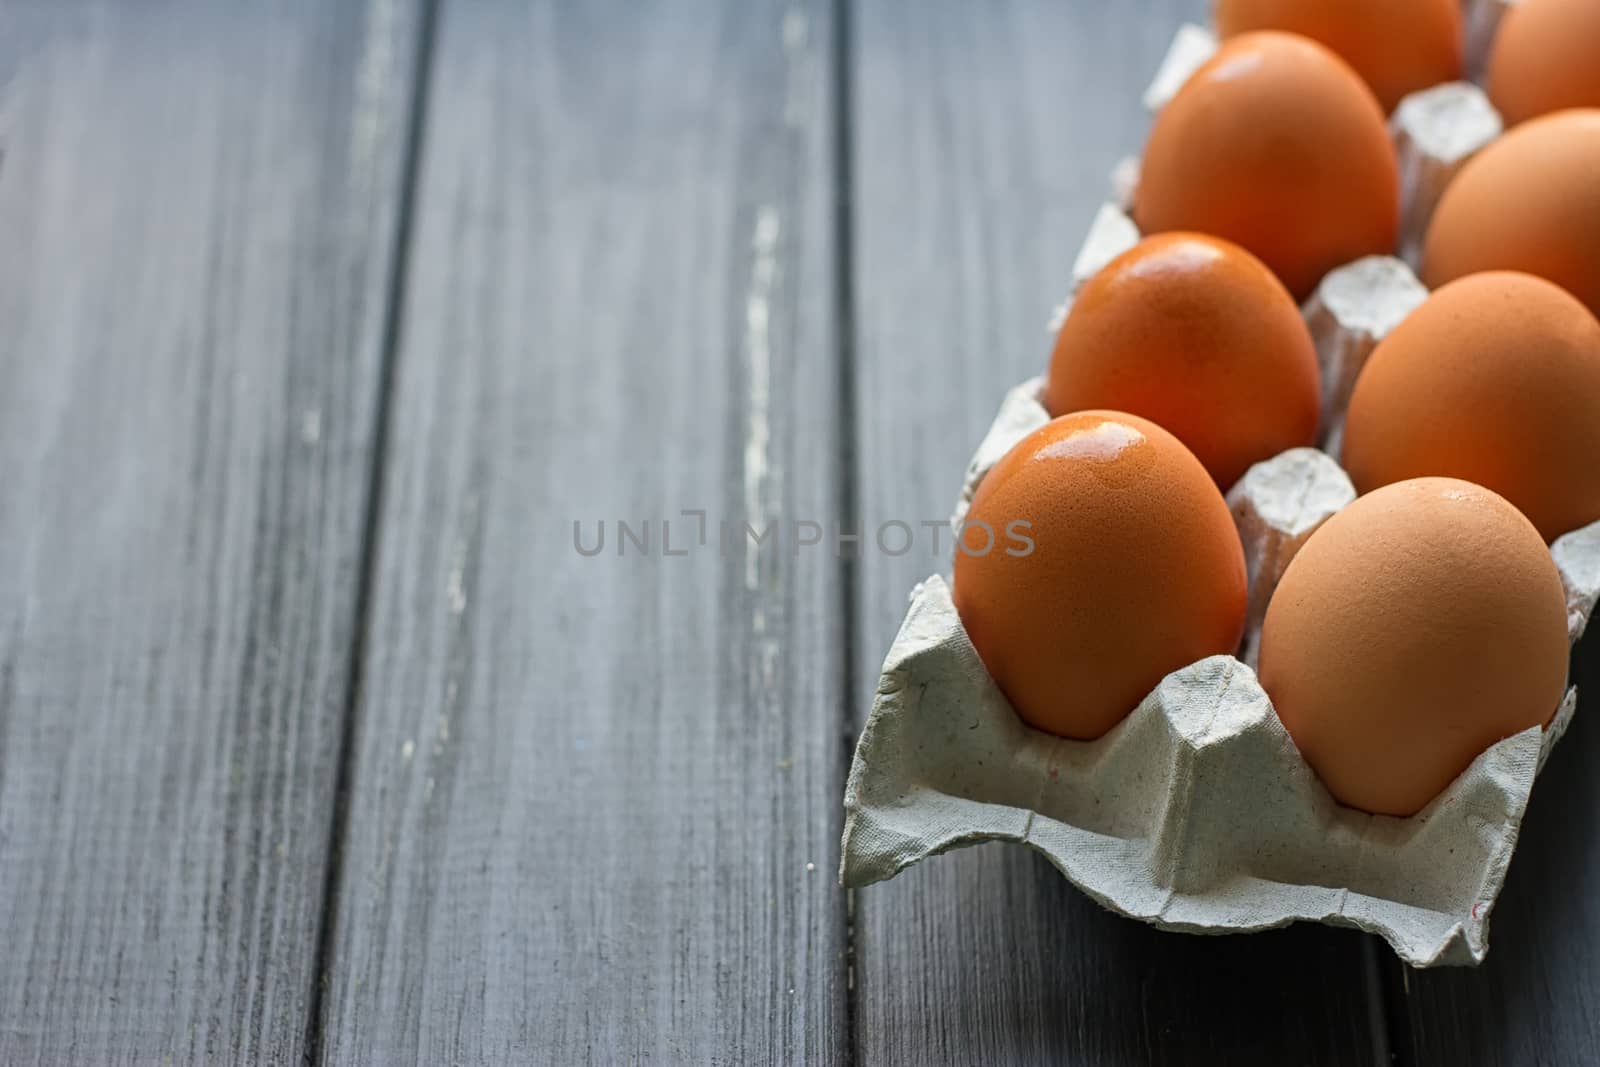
322,322
982,138
197,210
595,801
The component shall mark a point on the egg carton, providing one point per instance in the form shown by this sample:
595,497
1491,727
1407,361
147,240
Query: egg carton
1197,813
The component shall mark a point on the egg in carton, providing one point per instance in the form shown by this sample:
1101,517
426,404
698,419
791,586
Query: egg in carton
1197,813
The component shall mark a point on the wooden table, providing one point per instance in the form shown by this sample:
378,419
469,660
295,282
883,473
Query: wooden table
322,323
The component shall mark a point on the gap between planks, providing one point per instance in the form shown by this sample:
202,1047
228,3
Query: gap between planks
388,356
841,57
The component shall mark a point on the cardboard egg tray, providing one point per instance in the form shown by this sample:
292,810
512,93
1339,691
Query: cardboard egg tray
1197,813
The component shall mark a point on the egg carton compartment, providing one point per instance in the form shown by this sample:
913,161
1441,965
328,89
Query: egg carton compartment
1435,130
1197,813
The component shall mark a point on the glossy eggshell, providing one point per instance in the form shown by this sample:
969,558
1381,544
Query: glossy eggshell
1196,334
1496,380
1135,571
1397,46
1420,625
1275,144
1546,57
1530,202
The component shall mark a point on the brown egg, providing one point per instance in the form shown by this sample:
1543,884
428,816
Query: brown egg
1397,46
1546,57
1276,145
1530,202
1416,628
1196,334
1111,562
1495,379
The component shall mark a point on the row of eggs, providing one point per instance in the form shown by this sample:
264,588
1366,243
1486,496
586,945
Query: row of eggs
1425,621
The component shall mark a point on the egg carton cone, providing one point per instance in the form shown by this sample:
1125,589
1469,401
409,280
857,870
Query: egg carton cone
1481,19
1197,813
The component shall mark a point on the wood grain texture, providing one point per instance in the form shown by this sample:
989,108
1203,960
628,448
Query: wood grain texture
196,205
1533,1000
983,135
594,803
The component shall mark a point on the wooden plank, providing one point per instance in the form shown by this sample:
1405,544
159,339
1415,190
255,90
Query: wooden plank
197,203
983,136
595,801
1533,1000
